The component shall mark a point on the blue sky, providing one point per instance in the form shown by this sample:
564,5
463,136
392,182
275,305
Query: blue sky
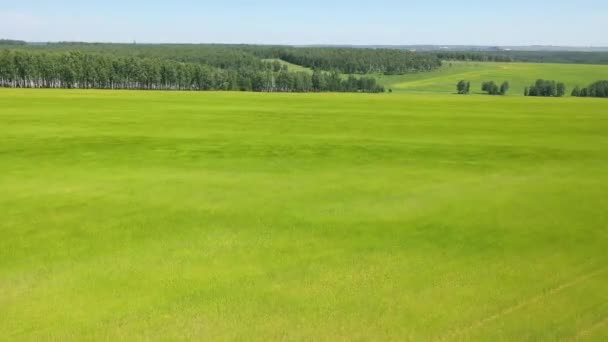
512,22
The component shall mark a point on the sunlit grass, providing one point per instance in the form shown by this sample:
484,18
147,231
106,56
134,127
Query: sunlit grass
241,216
519,75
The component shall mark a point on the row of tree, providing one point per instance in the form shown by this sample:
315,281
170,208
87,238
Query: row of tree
345,60
546,88
541,87
33,69
597,89
464,87
359,61
577,57
475,56
493,89
219,56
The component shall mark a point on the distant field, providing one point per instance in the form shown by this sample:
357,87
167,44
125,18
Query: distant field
291,66
243,216
519,76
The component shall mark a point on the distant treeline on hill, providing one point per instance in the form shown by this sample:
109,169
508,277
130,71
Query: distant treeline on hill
472,56
572,57
36,69
346,60
354,61
11,42
343,60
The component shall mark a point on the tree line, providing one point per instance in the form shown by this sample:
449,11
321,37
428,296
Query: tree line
354,60
493,89
343,60
596,89
569,57
546,88
463,87
472,56
558,89
35,69
12,42
572,57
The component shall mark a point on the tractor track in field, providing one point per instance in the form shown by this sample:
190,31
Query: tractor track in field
481,322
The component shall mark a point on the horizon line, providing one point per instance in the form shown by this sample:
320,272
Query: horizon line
310,44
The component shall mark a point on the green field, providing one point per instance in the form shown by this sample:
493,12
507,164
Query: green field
290,66
243,216
519,75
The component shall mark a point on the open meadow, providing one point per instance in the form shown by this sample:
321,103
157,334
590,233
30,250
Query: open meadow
519,75
143,215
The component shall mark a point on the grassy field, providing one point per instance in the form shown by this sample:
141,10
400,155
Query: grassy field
242,216
519,75
290,66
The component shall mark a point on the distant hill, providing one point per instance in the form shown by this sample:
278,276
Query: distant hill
487,48
415,47
12,42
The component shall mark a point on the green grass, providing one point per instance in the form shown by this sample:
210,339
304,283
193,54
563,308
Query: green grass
519,75
290,66
241,216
